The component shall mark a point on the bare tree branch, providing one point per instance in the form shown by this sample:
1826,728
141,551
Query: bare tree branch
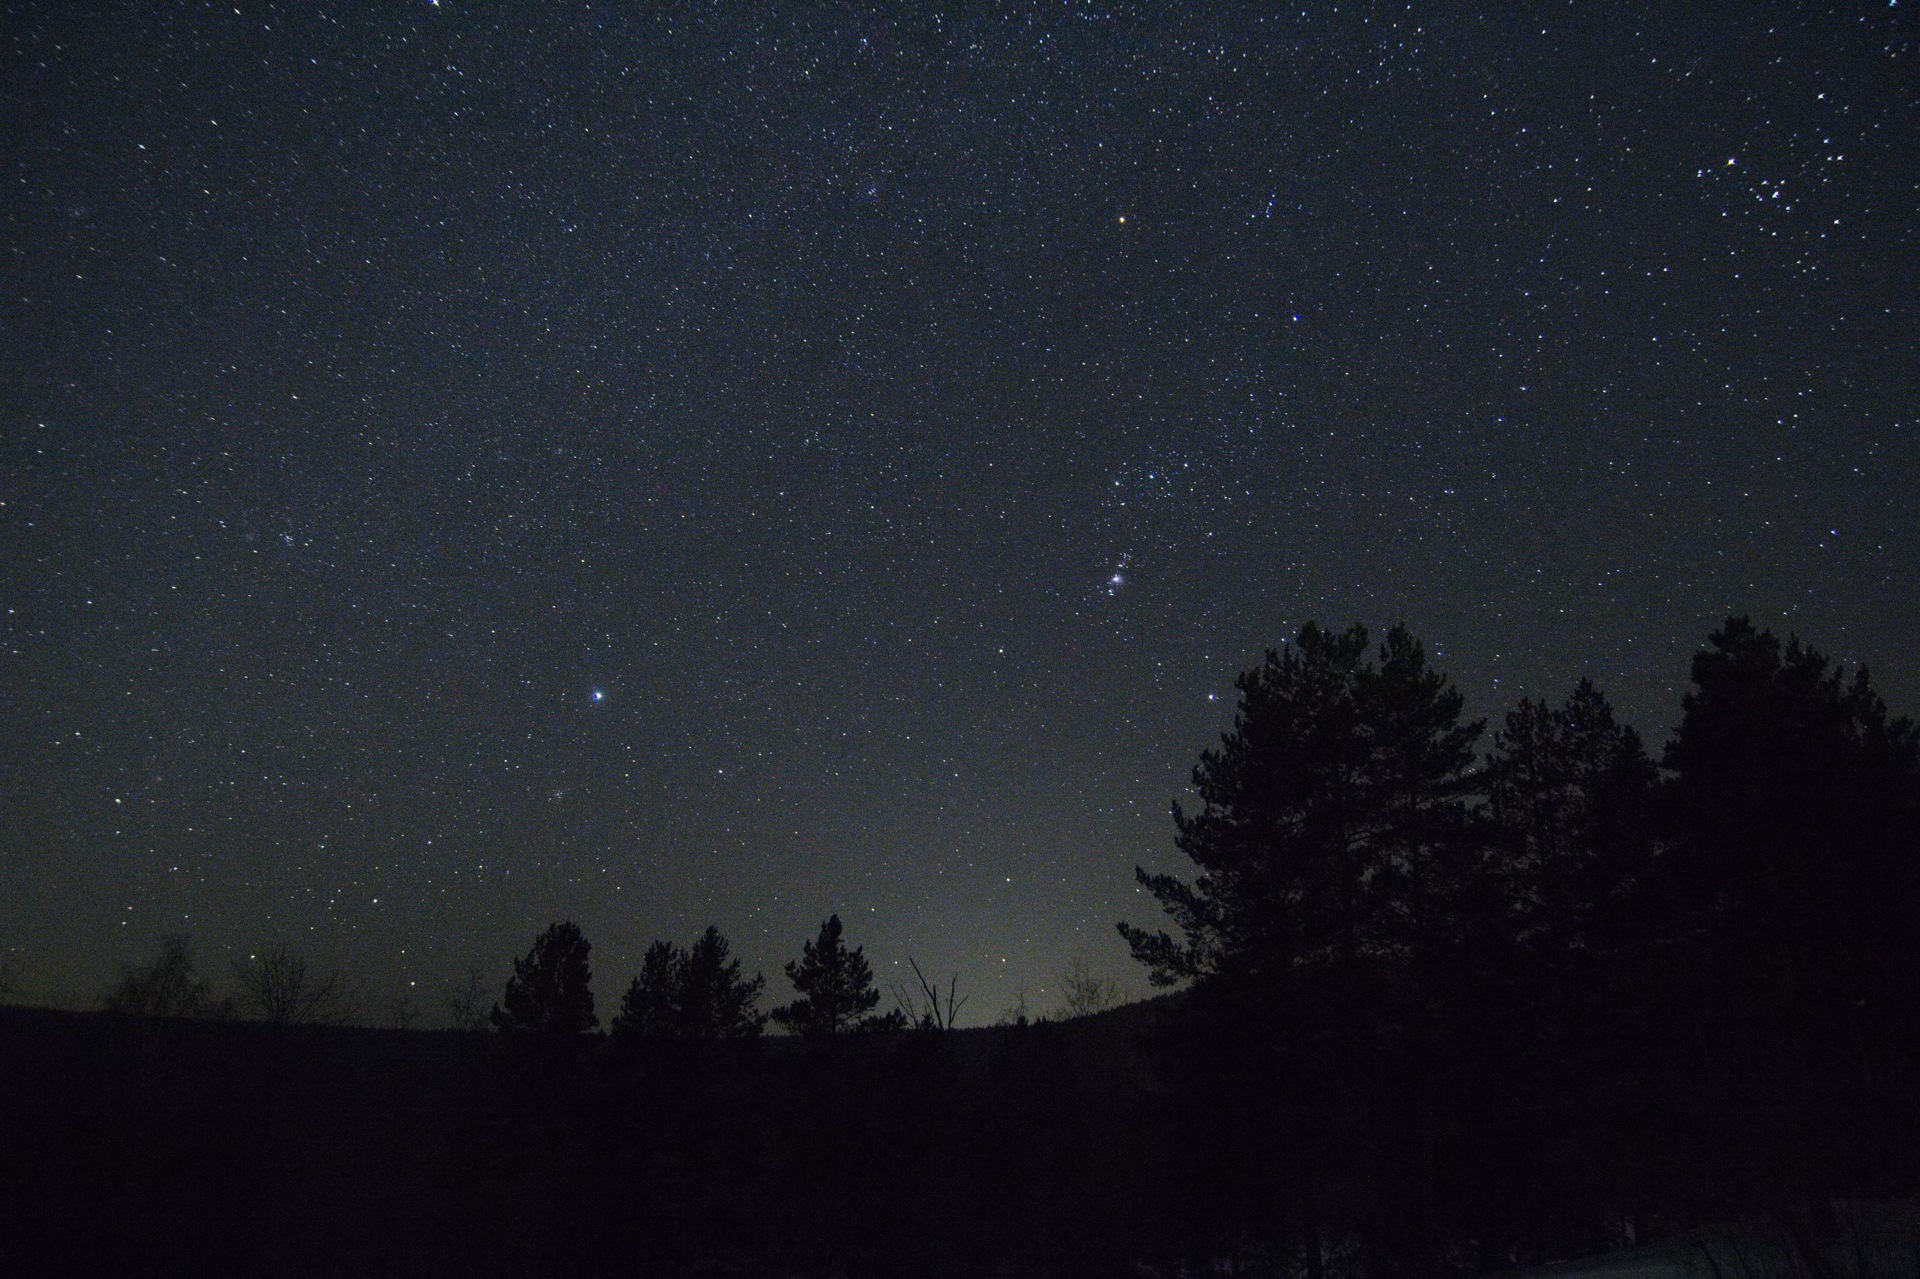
1086,994
1015,1013
927,1008
468,1002
279,988
402,1012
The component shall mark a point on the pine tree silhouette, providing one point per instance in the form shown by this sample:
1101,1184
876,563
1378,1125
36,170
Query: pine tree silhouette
551,991
1787,961
836,990
1570,796
1342,874
1334,821
697,993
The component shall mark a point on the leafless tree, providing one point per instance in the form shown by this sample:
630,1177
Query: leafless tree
468,1002
1084,994
927,1007
1015,1013
279,988
166,987
402,1012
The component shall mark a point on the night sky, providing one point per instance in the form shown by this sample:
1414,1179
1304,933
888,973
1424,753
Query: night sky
465,466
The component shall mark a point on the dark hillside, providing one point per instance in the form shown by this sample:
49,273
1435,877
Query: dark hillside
1106,1050
309,1149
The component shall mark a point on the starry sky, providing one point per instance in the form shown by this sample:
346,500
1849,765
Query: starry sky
465,465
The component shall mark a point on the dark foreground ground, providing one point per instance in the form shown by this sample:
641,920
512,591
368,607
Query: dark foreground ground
149,1146
153,1147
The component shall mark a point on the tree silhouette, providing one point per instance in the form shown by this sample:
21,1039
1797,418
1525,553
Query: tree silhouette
1083,994
1570,795
167,986
402,1012
697,993
1334,823
650,1008
551,991
1793,819
1794,796
466,1000
1342,876
836,990
926,1006
279,988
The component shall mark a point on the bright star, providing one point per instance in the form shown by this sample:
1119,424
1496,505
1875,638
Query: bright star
599,694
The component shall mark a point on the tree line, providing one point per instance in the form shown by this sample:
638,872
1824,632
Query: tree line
1442,1003
1446,1001
695,992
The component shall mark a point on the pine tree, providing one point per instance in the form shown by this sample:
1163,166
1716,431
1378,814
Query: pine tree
551,991
1793,794
716,1002
1570,794
650,1008
1792,824
698,993
1340,871
1794,812
835,985
1333,820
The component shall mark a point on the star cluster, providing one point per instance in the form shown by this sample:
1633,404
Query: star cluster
468,465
